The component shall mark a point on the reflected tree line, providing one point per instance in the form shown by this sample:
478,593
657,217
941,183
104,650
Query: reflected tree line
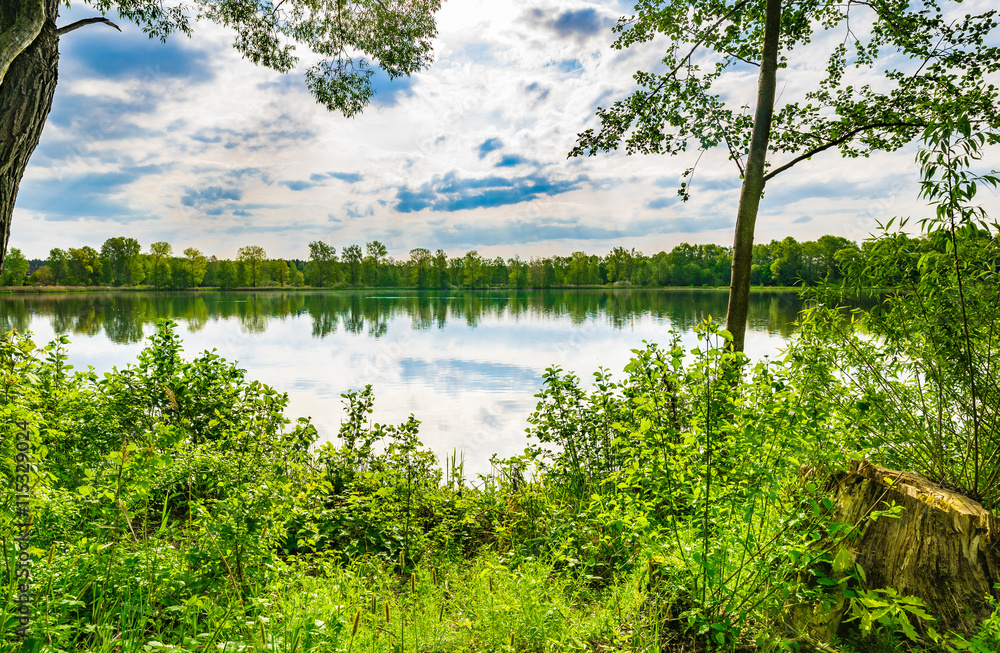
122,317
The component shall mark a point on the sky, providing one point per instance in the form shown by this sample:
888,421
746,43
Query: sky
188,143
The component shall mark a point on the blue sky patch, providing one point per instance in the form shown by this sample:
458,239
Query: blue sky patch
489,145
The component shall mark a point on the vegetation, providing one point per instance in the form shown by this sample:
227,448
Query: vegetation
778,263
681,507
172,505
926,51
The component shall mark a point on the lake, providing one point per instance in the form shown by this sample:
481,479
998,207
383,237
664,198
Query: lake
466,364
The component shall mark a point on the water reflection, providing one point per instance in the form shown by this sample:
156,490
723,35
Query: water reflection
466,364
122,316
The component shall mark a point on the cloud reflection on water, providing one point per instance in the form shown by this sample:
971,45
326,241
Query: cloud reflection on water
467,364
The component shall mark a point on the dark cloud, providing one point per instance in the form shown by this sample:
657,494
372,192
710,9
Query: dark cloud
579,23
576,24
453,193
320,179
209,195
242,213
101,117
781,194
489,145
266,229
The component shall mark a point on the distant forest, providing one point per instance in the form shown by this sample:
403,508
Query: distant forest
120,262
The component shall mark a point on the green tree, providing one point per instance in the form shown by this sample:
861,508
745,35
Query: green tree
580,271
352,261
620,263
211,271
122,255
376,254
518,276
227,276
324,261
84,265
472,269
829,246
279,271
420,267
937,54
58,263
253,258
159,263
439,269
15,269
341,41
295,276
786,268
194,266
42,276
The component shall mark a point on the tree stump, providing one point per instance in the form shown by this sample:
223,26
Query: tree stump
943,548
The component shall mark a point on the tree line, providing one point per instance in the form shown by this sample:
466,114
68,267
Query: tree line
121,263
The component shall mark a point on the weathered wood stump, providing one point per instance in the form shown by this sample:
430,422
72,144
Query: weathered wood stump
943,548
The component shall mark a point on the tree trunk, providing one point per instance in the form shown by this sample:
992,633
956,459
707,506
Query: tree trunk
25,100
943,548
753,179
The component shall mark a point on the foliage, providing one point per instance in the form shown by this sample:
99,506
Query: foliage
917,372
779,263
252,257
705,461
683,106
15,269
931,50
176,507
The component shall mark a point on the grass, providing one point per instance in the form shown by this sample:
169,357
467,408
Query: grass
317,604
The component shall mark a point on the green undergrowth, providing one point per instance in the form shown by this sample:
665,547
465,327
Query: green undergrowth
679,506
175,507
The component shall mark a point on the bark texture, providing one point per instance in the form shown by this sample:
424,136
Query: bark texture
25,101
20,23
943,548
753,179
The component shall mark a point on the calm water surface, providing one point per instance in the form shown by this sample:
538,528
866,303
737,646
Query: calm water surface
466,364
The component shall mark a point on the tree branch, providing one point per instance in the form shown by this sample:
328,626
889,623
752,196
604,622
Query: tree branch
16,38
701,39
846,137
83,23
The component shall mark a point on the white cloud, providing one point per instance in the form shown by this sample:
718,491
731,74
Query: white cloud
222,152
